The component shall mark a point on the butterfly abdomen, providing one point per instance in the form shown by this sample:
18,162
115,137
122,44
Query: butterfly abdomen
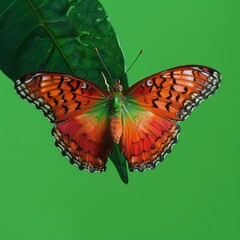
116,128
116,118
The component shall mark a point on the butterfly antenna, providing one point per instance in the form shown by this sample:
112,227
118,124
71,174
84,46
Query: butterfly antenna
105,81
103,64
132,64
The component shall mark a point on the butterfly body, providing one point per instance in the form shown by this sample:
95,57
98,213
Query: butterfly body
143,120
115,113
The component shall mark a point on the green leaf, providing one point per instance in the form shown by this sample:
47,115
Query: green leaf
120,162
61,36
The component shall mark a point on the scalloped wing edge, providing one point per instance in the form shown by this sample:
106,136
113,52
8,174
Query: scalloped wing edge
215,80
82,166
159,158
23,92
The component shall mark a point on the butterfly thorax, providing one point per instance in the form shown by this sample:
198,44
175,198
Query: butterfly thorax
115,115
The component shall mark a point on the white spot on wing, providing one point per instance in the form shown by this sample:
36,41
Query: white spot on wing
204,73
187,72
47,106
41,100
166,75
32,95
28,80
215,74
189,78
19,88
149,83
23,94
84,85
197,68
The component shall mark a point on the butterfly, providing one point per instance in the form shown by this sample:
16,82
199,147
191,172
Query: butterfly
143,120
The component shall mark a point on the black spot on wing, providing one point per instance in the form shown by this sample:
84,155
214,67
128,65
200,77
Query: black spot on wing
167,106
78,105
65,108
154,104
161,84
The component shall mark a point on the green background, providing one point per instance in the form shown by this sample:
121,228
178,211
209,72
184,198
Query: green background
193,194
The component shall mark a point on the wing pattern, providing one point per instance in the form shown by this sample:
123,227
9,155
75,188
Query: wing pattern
79,110
175,92
154,106
151,111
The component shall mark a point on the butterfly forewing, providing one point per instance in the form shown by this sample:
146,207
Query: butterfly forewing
175,92
58,95
153,107
79,110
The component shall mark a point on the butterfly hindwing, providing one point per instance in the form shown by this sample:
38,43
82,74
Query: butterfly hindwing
153,107
79,110
85,139
146,138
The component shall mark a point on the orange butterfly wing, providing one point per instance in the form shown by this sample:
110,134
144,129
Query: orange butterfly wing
146,138
79,110
153,107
